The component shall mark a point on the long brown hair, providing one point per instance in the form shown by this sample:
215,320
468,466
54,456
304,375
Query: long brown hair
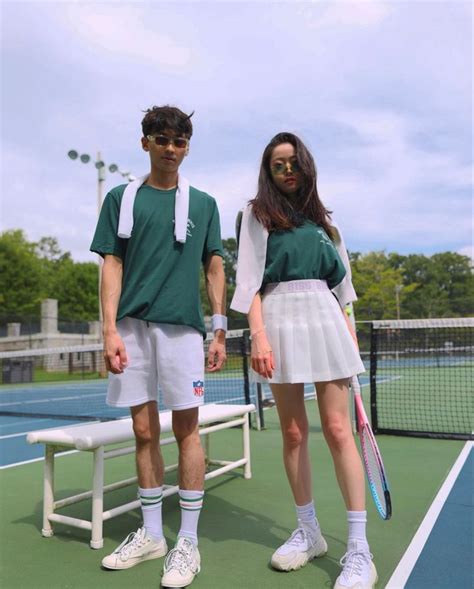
275,210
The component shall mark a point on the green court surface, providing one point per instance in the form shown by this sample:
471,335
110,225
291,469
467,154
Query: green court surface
426,398
243,521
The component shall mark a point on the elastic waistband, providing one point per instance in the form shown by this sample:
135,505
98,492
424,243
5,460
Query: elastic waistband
295,286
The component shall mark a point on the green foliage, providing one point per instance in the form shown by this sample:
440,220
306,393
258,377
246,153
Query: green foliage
33,271
22,284
230,259
441,285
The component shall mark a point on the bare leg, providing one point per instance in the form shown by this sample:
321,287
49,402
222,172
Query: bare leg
191,453
294,427
146,426
333,401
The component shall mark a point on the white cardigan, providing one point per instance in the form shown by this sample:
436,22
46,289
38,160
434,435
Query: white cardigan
251,264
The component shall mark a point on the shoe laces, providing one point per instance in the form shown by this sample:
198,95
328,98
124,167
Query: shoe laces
133,541
299,536
353,562
180,557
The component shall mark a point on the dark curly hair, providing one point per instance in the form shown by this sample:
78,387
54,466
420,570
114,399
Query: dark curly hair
273,208
160,118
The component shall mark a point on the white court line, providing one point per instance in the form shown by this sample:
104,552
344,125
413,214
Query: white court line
407,563
53,399
14,435
23,422
36,459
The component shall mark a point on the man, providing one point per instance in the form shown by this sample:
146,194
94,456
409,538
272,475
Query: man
154,234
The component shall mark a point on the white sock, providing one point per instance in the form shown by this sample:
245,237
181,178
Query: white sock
152,500
191,505
307,519
357,521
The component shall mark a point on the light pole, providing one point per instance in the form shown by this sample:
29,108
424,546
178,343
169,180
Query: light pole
100,166
398,289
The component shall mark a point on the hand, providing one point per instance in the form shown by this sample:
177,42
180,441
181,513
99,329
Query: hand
216,355
261,355
115,355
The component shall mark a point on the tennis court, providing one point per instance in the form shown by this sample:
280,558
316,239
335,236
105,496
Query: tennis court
244,520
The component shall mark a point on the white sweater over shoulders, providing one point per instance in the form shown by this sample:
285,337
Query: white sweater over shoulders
251,264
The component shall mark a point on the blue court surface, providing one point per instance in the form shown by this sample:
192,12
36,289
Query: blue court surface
440,554
87,401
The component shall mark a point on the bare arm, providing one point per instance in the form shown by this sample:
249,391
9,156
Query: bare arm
261,352
114,350
216,292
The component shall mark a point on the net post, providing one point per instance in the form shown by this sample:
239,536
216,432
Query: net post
244,347
261,420
373,378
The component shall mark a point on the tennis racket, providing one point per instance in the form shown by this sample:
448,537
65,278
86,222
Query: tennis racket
372,458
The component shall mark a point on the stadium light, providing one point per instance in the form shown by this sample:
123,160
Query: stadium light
398,290
100,166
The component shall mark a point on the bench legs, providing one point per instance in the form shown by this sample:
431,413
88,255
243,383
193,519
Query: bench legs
97,540
246,447
48,491
96,524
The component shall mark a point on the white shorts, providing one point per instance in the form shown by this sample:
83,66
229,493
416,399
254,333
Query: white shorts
308,334
170,357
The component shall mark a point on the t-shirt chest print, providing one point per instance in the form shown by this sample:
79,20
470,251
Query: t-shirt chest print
325,239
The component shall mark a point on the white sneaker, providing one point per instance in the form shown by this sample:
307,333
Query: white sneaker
137,547
358,571
298,550
182,564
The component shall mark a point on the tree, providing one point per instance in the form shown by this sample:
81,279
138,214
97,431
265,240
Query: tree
442,284
22,283
75,286
230,259
376,282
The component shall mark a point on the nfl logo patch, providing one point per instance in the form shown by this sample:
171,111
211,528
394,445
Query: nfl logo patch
198,388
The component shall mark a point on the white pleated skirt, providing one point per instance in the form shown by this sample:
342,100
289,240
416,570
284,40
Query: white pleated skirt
308,334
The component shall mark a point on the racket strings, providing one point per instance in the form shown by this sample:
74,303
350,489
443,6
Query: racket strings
373,470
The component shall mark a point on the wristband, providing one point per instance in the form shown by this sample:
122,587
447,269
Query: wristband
218,322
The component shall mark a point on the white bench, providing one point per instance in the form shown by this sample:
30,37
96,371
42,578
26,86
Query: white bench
95,437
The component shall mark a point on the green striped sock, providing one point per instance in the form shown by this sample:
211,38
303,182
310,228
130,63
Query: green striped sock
152,500
191,504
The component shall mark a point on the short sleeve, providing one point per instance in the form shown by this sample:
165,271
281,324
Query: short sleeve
106,240
336,274
213,242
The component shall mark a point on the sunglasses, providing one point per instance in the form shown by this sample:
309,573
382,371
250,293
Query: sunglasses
281,168
164,141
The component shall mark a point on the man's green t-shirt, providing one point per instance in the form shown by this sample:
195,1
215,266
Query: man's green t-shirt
302,253
160,276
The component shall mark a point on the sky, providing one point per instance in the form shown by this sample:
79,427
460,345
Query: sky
380,92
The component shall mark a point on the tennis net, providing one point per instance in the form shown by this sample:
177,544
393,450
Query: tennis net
421,377
71,382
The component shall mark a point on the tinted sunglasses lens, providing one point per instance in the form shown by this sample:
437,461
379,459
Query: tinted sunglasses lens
278,168
162,140
281,168
180,142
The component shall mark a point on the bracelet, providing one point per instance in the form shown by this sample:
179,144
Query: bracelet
253,334
218,322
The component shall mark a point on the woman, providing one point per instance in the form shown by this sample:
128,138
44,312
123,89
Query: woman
293,281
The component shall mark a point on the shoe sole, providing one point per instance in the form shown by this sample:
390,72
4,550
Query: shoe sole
127,565
299,561
374,580
180,584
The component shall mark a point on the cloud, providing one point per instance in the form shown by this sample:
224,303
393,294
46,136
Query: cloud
127,31
381,92
319,15
467,250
